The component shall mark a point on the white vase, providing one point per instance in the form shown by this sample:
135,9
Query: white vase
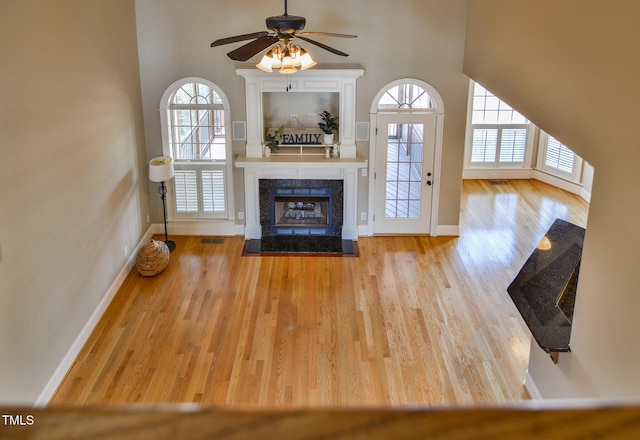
267,152
336,151
328,139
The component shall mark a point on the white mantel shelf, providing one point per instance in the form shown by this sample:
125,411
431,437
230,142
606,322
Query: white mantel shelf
299,161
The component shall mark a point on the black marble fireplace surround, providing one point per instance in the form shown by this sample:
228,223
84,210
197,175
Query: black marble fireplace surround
303,231
329,193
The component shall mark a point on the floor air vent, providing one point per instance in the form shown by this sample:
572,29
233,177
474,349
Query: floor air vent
498,182
212,241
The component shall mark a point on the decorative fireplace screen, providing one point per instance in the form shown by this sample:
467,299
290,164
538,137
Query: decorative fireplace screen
301,207
299,211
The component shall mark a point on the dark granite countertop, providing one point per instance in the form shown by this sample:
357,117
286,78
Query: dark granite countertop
544,289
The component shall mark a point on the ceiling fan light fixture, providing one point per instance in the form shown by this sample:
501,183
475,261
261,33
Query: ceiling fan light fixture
282,29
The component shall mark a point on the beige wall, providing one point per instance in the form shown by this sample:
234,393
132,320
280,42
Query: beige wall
422,39
571,66
73,188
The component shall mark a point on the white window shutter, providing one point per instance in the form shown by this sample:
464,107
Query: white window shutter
513,144
484,145
213,190
186,189
558,157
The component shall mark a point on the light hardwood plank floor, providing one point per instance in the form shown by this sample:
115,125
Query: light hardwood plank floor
414,320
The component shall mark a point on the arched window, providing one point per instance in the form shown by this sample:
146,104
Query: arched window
195,121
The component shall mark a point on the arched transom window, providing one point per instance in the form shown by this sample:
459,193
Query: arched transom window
405,96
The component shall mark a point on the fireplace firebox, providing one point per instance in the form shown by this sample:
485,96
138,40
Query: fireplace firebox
301,207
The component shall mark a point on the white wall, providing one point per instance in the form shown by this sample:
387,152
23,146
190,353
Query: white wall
73,161
423,39
570,67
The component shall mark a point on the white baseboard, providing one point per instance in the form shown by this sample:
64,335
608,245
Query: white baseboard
531,387
67,361
441,230
572,187
448,230
585,195
558,182
219,227
488,174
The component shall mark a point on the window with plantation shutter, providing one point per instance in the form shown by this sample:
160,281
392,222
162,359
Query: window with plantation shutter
558,159
499,134
195,129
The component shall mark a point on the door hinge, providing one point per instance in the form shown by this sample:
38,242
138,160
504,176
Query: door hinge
374,217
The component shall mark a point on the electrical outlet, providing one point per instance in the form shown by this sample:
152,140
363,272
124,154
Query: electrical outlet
363,215
294,117
240,215
126,251
282,119
148,218
364,172
312,117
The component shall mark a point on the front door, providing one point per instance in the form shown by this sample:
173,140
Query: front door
403,176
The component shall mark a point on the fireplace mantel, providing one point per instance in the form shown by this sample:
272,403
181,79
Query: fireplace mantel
320,79
300,167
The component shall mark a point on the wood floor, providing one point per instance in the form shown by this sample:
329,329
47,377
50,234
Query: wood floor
411,321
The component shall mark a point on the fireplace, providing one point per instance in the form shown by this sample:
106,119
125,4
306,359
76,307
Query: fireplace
301,207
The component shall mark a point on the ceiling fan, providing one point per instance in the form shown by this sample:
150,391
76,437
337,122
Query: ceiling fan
282,30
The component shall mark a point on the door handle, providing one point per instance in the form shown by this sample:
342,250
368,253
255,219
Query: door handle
429,182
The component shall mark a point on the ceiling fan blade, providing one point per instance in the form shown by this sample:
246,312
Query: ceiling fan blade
324,46
327,34
243,37
243,53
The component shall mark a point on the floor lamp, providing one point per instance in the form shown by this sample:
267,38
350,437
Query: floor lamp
161,170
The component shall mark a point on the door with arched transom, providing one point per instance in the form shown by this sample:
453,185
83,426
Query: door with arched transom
404,180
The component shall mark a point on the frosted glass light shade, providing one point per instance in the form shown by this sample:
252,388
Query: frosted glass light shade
161,169
306,61
288,66
266,63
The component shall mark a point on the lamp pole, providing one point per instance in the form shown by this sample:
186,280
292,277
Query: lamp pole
163,195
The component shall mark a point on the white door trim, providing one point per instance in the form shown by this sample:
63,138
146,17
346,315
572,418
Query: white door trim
438,111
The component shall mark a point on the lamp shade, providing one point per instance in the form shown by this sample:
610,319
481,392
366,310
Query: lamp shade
161,169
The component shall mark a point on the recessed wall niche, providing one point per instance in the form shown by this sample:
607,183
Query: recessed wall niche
324,85
278,108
